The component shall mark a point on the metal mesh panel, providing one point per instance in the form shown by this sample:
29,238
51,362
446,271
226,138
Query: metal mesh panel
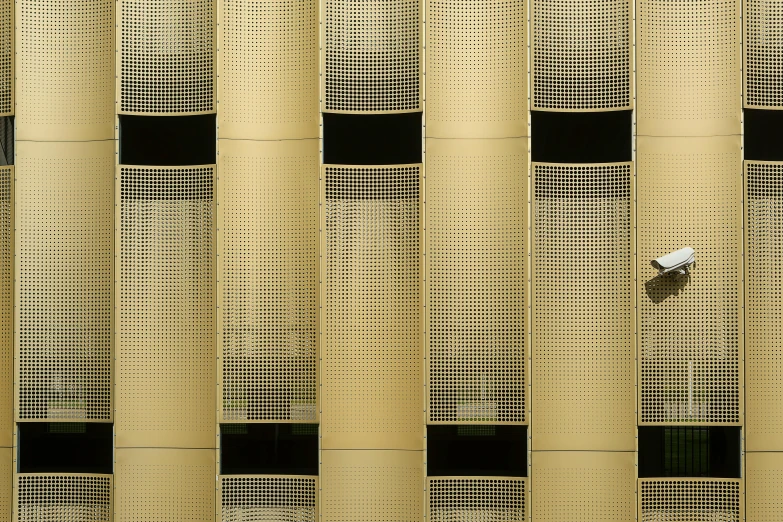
583,348
166,372
6,307
285,34
6,483
371,56
763,484
475,241
474,499
64,277
689,500
167,55
6,57
763,46
65,69
60,497
268,222
476,70
689,194
372,360
688,67
278,498
581,54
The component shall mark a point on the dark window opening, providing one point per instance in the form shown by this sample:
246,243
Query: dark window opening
477,450
288,449
65,447
167,140
372,139
581,137
689,451
6,140
763,135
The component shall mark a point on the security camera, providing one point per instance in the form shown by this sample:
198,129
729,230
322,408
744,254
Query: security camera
678,262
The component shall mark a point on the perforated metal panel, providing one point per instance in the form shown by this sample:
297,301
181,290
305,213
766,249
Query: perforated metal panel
763,484
581,55
277,497
6,59
690,500
65,69
689,194
371,55
764,305
285,34
583,486
6,308
583,356
476,197
268,273
6,483
166,345
63,497
164,485
476,499
64,276
166,56
476,68
382,486
763,46
688,67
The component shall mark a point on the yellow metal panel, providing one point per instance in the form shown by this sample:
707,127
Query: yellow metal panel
581,51
64,277
6,59
476,230
763,59
583,486
164,485
166,346
374,485
268,273
476,499
167,54
371,56
691,500
6,483
476,68
764,307
6,307
582,316
763,486
65,69
63,497
689,194
279,498
268,81
688,67
372,354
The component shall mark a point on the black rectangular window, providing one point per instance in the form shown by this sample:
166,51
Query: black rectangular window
689,451
65,447
477,450
288,449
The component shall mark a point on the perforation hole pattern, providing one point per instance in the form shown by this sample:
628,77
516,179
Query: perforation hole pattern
64,498
282,499
167,56
476,287
763,48
690,500
65,253
476,500
6,53
583,373
6,306
763,483
6,482
269,280
581,54
372,55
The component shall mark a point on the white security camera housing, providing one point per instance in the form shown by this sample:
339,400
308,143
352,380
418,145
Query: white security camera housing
678,262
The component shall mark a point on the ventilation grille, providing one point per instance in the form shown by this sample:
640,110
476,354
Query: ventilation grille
372,56
167,56
63,498
166,374
278,498
475,241
763,53
581,54
6,306
582,307
6,57
268,217
690,500
476,500
64,275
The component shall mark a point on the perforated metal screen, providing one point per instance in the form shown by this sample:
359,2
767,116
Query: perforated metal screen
280,498
166,345
6,307
6,58
763,484
581,53
64,276
689,194
690,500
582,317
476,196
371,55
763,47
268,273
6,483
63,497
167,56
476,499
372,354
